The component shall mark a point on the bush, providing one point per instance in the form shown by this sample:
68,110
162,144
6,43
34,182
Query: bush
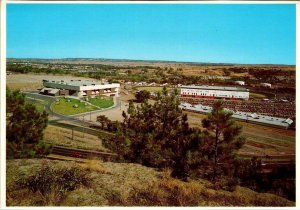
53,183
227,183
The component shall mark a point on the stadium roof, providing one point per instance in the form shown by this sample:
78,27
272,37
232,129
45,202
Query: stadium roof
75,82
206,87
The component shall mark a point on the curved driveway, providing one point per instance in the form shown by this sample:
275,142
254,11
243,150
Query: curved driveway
73,118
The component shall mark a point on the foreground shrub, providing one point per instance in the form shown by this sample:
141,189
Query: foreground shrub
52,184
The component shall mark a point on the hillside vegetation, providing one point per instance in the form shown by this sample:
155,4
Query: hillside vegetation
96,183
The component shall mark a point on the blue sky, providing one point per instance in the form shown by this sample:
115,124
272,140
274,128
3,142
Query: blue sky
261,34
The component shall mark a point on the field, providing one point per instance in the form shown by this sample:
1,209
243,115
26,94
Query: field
32,81
65,106
188,69
102,101
64,137
152,89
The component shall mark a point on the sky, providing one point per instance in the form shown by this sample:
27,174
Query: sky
217,33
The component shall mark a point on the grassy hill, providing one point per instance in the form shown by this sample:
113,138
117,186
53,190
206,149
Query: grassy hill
96,183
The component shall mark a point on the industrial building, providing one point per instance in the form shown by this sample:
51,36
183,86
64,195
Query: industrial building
205,91
79,88
242,83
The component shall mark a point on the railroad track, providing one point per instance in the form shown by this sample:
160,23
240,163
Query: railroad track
270,157
89,130
82,154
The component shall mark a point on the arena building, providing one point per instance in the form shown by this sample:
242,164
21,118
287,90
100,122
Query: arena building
205,91
79,88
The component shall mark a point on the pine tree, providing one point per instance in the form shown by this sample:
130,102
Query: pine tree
24,127
224,136
157,135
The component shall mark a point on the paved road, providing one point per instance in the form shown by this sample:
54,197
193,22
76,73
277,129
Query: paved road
77,124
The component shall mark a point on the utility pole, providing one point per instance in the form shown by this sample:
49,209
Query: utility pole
83,127
72,133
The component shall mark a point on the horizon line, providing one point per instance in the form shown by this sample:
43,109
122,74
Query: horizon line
152,60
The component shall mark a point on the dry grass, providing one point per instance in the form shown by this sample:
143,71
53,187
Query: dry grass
121,184
93,165
63,137
25,86
172,192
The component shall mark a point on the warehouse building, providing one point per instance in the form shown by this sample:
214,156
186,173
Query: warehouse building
79,88
205,91
242,83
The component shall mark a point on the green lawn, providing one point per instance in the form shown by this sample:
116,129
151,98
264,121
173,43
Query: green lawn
102,101
66,108
40,105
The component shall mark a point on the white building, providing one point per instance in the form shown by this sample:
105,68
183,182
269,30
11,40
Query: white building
242,83
79,88
266,85
215,92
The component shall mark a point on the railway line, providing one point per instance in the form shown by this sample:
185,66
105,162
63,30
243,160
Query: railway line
82,154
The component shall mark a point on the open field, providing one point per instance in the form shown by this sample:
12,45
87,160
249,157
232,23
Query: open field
65,106
32,81
152,89
64,137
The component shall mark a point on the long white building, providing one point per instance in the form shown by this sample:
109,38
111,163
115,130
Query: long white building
79,88
205,91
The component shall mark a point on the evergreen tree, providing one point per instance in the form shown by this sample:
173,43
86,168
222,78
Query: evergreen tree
157,135
103,120
24,127
224,138
142,96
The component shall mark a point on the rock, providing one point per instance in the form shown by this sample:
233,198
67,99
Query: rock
75,105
